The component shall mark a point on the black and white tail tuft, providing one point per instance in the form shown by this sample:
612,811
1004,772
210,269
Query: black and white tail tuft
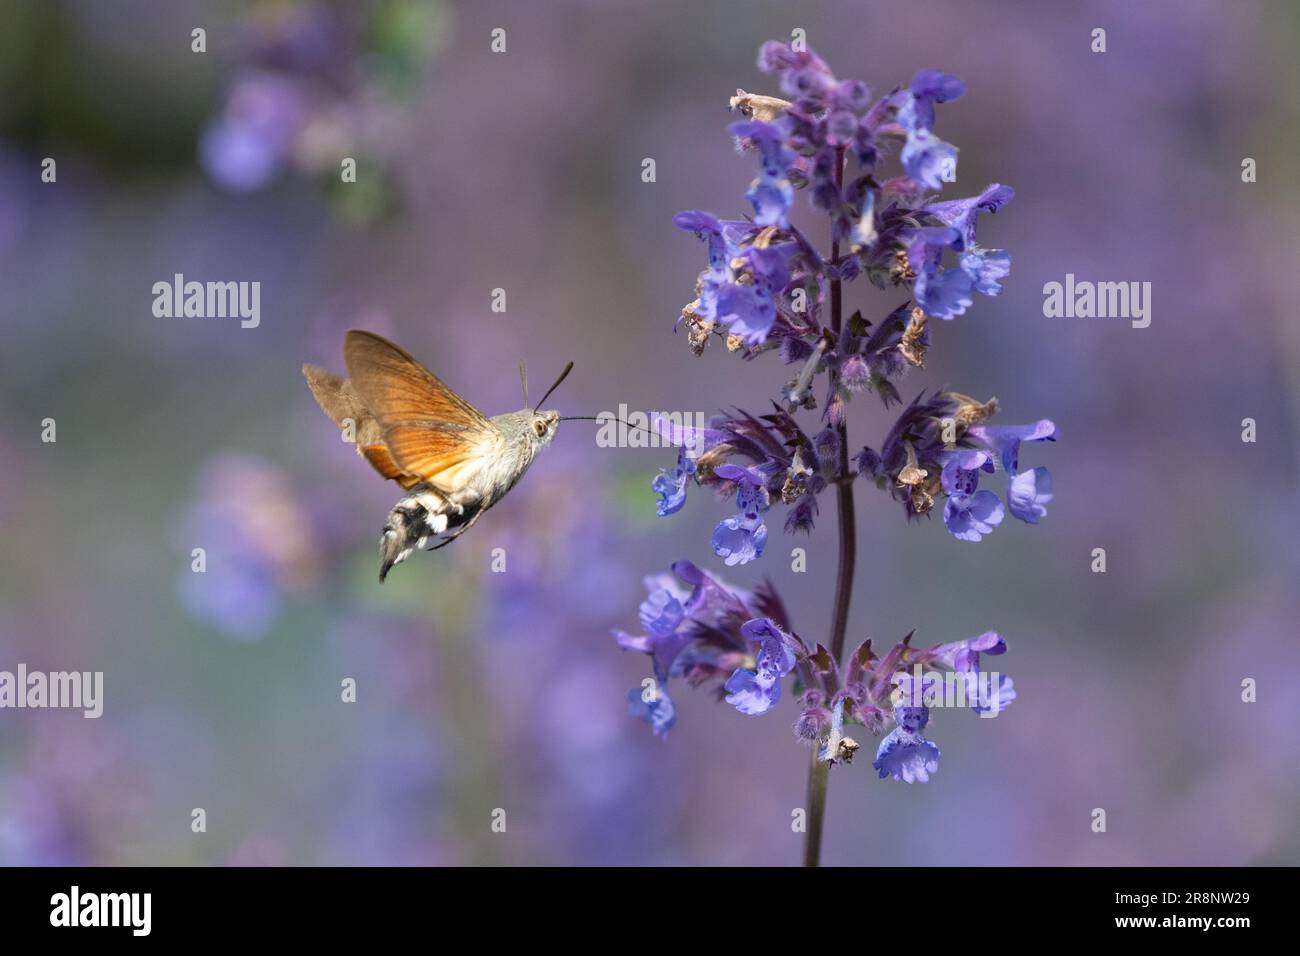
417,522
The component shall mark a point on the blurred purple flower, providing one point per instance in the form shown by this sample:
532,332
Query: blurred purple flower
260,542
249,143
307,80
653,705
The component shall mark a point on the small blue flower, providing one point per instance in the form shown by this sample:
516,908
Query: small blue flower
964,658
904,753
659,711
740,287
965,655
1004,440
944,294
992,700
661,613
929,160
741,538
670,485
252,139
971,517
756,691
707,227
862,234
1029,493
802,72
814,720
746,310
771,193
961,469
696,441
971,514
947,293
985,268
928,87
961,214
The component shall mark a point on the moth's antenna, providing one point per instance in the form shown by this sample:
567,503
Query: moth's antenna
523,378
563,375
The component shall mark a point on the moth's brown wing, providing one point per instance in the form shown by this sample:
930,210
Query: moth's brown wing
339,400
429,430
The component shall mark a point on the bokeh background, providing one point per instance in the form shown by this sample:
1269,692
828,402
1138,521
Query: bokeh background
522,171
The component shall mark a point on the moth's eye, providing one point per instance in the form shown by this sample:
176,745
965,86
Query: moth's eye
539,426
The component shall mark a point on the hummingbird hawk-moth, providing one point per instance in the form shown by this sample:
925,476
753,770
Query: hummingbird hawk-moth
453,462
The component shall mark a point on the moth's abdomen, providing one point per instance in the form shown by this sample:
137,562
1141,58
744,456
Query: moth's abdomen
418,521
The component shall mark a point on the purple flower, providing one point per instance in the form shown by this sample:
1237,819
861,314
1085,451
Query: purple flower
965,655
802,73
970,517
1004,440
769,289
961,470
814,720
990,699
771,193
862,232
942,293
674,614
962,213
945,293
969,514
741,538
694,441
239,517
904,753
929,160
928,87
740,287
670,485
250,142
985,268
661,612
1029,493
699,629
855,374
756,691
746,310
653,705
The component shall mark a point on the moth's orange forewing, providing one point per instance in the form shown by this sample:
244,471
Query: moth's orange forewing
429,432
